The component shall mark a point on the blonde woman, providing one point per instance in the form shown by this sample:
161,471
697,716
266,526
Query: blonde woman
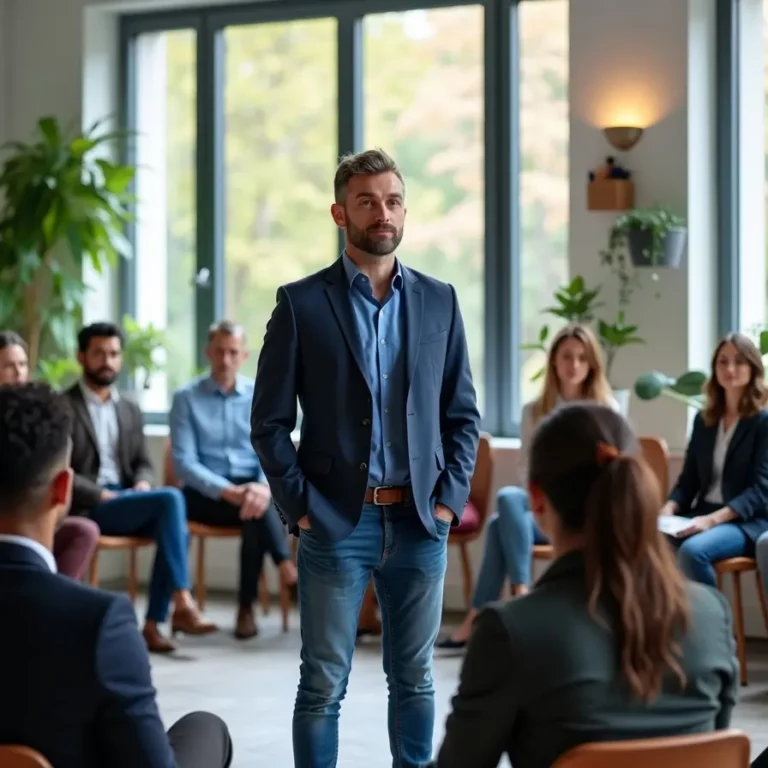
575,371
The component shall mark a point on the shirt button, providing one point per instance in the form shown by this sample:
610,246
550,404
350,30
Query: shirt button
366,422
363,466
386,376
389,444
383,341
386,410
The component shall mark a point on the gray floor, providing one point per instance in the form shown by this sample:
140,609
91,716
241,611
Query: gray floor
252,685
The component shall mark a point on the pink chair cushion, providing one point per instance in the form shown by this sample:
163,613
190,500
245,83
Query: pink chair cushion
470,520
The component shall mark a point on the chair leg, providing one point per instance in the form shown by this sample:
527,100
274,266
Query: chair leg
264,599
738,610
466,570
133,554
285,603
761,593
200,592
93,571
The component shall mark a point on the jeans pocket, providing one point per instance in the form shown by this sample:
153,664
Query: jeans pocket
443,528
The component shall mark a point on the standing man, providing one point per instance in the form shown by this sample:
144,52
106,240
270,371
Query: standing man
377,356
213,457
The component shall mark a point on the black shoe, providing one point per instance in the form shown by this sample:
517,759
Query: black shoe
449,644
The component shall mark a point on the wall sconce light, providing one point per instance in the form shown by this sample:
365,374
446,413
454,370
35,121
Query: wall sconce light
623,137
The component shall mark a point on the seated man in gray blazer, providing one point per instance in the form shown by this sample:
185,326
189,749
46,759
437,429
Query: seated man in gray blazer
612,643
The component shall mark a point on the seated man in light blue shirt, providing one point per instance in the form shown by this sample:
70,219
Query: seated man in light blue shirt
222,479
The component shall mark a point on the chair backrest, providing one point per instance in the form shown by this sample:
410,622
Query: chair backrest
169,473
21,757
656,453
720,749
482,477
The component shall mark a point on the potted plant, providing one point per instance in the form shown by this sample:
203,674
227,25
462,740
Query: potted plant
575,303
653,237
140,351
64,204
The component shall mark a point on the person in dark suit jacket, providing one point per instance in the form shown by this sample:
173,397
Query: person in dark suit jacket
377,356
113,483
613,642
723,486
76,679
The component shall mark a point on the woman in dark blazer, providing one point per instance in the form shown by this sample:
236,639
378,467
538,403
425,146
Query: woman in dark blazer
613,642
723,487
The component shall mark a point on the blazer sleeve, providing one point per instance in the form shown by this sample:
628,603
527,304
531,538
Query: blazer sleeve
752,502
688,484
141,464
273,418
85,493
459,419
485,706
129,729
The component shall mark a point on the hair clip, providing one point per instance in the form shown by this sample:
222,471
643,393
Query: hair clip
606,453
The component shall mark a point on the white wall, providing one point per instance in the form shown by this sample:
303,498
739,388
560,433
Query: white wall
651,59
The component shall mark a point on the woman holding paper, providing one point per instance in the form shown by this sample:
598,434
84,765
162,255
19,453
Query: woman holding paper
723,487
574,371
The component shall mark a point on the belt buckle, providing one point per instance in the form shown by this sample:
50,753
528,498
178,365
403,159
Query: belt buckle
376,501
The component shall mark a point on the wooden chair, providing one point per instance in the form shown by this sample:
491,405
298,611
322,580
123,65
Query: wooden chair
21,757
476,512
656,453
202,532
736,566
130,543
720,749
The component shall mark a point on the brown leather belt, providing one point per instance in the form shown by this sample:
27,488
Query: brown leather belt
385,495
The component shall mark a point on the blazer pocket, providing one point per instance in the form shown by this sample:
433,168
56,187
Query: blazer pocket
432,337
440,458
318,463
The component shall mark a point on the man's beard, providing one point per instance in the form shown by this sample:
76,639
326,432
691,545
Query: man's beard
364,241
101,377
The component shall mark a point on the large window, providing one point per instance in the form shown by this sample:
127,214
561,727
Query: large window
243,112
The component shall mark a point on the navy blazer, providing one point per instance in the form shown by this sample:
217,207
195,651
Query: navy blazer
745,473
75,672
312,351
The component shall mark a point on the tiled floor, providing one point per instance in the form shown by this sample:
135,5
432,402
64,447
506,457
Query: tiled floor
252,685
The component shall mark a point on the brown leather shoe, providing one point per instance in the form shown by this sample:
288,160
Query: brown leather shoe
245,627
189,621
156,641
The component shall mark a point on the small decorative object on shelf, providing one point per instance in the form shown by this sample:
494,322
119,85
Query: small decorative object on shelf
610,188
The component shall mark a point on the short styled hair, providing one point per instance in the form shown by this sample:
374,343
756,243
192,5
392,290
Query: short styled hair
35,443
101,330
227,328
11,339
371,162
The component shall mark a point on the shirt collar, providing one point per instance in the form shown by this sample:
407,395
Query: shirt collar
35,546
352,272
91,397
209,383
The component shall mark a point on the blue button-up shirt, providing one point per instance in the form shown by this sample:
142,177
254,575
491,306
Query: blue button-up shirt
381,329
211,435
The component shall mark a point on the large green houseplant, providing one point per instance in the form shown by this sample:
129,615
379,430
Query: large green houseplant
64,205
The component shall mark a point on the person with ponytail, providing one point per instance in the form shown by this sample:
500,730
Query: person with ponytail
613,642
574,371
723,486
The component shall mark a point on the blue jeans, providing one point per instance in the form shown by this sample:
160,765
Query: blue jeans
408,568
697,553
509,541
160,515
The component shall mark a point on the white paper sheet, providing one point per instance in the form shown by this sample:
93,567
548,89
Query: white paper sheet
673,524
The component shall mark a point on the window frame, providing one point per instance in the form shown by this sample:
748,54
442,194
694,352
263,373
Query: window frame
502,254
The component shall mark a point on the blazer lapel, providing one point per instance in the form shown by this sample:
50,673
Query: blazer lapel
81,410
338,294
738,435
124,427
414,309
